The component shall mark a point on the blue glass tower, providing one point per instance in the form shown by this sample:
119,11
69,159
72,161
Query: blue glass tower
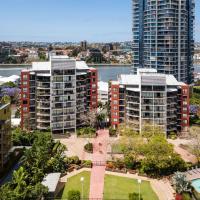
163,37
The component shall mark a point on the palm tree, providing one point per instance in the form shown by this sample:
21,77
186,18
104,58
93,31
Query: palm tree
180,182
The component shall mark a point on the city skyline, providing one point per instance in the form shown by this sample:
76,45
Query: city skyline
112,21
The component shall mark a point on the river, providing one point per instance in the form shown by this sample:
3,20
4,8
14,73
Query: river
105,73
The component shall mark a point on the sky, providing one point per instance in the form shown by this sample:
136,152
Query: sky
70,20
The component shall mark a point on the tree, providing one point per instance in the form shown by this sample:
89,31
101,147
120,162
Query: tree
160,158
89,118
127,129
149,130
180,182
195,145
134,196
9,84
74,195
42,55
5,99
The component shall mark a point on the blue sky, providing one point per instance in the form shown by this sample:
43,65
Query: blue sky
69,20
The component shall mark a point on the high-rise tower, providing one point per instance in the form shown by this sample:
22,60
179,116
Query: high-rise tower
163,37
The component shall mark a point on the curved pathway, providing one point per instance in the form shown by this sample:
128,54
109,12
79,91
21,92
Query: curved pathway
99,165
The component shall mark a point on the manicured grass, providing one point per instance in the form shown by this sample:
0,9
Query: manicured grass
74,183
116,187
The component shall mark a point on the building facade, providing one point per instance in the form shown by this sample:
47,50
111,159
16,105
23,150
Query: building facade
163,37
103,92
5,133
55,94
150,98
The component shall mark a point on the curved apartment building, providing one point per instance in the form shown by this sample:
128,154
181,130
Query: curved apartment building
163,37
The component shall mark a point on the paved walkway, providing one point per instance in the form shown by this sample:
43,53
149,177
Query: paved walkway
99,164
185,155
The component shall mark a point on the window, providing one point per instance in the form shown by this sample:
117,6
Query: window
115,95
24,89
185,115
24,95
115,120
115,102
115,113
93,85
25,76
25,82
25,108
115,108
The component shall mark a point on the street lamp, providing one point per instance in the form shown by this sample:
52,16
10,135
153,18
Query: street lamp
139,183
82,182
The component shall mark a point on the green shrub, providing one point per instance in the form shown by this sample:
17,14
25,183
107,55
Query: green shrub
134,196
74,195
186,196
89,147
86,131
119,164
87,163
112,132
74,160
173,136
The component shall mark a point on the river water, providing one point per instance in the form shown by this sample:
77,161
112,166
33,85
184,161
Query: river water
105,73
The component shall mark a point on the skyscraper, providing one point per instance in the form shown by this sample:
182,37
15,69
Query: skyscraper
163,37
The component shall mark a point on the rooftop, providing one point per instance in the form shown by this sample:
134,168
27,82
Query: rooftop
12,78
51,181
103,86
46,66
148,76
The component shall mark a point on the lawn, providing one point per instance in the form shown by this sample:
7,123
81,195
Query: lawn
116,187
74,183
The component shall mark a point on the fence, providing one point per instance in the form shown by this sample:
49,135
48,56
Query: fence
99,163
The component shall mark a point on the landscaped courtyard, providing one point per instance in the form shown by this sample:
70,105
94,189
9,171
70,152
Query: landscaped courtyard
74,183
115,187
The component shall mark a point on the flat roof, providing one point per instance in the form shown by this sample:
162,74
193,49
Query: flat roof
81,65
51,181
40,66
131,79
103,86
45,66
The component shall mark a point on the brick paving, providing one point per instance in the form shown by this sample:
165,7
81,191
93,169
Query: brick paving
98,160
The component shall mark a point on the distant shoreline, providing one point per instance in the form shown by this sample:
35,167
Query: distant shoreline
107,65
90,65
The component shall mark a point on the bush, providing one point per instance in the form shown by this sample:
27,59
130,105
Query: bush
86,131
119,164
74,160
109,165
74,195
186,196
112,132
134,196
173,136
87,163
89,147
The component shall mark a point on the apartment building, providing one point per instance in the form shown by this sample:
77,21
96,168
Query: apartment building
163,37
149,97
55,94
103,92
5,133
